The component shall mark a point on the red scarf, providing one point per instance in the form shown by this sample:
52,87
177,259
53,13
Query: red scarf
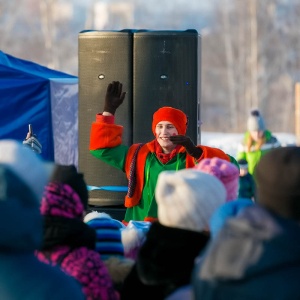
164,157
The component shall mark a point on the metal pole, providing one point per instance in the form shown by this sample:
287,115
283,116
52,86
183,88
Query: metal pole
297,113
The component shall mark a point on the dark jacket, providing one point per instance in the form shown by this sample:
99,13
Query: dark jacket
246,187
70,243
255,256
164,263
22,275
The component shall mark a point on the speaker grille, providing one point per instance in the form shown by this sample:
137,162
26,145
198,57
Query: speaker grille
165,73
103,57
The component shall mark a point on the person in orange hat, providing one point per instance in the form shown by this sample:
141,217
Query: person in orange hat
171,149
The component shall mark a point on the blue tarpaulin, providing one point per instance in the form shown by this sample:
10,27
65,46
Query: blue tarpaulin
47,99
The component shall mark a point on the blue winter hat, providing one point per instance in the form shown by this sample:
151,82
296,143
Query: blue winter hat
225,211
108,234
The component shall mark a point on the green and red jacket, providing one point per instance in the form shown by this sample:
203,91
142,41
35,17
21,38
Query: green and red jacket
106,144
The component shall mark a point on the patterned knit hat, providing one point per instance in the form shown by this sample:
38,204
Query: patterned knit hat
187,198
177,117
224,170
60,200
108,234
255,121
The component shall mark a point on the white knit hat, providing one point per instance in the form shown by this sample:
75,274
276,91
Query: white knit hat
187,198
255,121
26,165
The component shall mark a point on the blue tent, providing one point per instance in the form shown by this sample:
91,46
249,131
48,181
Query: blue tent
45,98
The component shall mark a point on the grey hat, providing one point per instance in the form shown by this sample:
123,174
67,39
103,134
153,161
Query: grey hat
255,121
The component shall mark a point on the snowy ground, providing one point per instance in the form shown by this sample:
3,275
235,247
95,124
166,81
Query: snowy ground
228,142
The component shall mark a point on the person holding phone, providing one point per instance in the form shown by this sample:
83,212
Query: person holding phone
32,141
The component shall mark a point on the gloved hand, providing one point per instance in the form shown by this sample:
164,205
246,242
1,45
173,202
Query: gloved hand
114,97
33,143
186,142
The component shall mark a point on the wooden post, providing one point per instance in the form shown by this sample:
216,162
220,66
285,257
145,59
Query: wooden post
253,53
297,113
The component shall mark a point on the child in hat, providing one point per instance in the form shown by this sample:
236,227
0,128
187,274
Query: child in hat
246,181
257,140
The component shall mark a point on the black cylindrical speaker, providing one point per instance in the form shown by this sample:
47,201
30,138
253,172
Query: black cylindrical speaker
104,56
166,72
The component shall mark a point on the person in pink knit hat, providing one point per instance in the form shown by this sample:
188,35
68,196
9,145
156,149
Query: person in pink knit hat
225,171
69,243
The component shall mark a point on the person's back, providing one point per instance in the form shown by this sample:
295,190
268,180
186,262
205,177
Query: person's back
68,242
251,258
186,200
110,246
22,275
256,255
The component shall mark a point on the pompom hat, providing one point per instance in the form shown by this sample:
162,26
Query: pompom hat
187,198
255,121
177,117
225,171
108,233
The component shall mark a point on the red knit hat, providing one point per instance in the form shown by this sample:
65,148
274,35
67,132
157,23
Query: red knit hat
177,117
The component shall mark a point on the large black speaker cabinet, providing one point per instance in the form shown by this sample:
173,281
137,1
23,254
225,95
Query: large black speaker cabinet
103,57
166,72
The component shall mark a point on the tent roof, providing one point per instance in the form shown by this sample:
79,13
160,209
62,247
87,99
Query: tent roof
23,66
26,98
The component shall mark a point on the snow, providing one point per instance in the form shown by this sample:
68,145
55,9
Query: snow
228,142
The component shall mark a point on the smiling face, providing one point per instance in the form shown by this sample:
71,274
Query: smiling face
163,131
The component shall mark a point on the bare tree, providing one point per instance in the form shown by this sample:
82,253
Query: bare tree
250,49
48,28
253,56
230,66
